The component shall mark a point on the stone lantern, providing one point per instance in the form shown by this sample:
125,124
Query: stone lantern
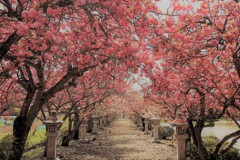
52,123
83,132
181,125
101,122
155,123
140,122
95,123
104,119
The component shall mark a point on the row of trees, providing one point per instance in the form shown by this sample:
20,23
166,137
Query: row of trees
55,48
73,55
197,67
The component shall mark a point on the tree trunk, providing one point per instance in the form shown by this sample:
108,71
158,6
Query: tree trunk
202,151
76,135
65,141
67,138
45,149
21,128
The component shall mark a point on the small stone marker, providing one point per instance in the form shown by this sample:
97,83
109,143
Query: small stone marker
52,133
181,125
95,124
83,133
101,122
155,123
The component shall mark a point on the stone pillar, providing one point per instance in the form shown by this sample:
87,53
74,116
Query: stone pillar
181,146
83,132
141,124
52,134
181,125
136,121
155,123
100,122
146,122
104,120
95,124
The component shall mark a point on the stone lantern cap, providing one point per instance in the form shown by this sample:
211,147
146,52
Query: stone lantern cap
180,120
95,116
155,119
52,123
146,120
52,119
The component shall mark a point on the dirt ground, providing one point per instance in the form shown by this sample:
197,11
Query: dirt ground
120,141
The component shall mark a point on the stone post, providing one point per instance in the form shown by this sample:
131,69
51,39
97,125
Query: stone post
101,122
146,122
104,120
52,133
95,124
135,120
155,123
181,125
139,121
83,132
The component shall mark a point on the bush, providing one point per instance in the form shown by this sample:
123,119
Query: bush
5,146
232,154
165,132
210,144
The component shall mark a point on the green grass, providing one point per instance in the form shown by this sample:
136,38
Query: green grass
36,137
2,135
34,152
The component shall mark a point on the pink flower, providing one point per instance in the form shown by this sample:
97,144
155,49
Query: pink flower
82,2
22,29
169,22
52,12
5,113
32,13
14,78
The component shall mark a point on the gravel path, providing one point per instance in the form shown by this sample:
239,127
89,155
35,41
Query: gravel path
120,141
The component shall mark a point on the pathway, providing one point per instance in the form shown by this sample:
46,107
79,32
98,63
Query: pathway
121,141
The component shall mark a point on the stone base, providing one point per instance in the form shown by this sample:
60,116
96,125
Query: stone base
146,133
84,141
156,141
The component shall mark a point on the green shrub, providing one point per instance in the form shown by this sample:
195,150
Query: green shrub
165,132
210,143
5,146
232,154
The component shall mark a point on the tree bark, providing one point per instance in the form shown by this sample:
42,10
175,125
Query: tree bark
5,47
76,135
202,151
21,129
67,138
